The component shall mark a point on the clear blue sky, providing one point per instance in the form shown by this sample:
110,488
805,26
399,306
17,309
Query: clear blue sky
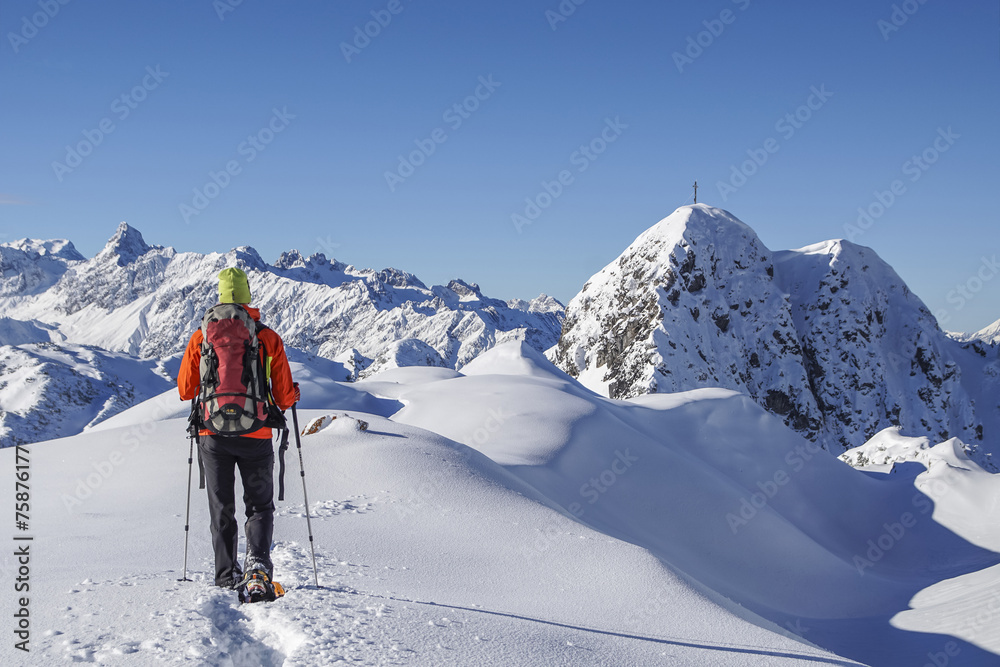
320,184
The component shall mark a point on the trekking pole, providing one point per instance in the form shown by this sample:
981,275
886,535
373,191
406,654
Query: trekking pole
187,514
193,433
305,497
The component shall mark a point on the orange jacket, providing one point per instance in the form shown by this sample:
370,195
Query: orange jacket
275,367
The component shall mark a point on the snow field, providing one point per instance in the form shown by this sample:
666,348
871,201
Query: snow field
506,515
406,524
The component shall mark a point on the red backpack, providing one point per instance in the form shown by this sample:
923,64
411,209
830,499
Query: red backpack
235,397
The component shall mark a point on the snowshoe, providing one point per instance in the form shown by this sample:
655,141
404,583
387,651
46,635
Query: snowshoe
257,587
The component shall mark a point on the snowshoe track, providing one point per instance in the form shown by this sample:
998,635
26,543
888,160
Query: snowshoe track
206,625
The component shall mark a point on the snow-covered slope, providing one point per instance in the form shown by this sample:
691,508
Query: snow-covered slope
876,355
16,332
827,337
723,492
146,300
510,516
48,390
54,383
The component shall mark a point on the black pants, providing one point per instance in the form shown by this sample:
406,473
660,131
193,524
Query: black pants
254,457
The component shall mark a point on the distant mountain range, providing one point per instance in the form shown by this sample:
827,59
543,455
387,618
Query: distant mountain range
828,337
144,301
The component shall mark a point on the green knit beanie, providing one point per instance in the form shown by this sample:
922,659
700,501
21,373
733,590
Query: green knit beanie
233,286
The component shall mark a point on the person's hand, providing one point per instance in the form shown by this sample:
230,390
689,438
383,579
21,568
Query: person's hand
298,392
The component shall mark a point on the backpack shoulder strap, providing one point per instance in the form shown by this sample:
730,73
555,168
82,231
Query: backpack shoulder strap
277,418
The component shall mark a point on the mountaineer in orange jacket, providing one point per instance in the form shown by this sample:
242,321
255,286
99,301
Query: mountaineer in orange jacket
252,453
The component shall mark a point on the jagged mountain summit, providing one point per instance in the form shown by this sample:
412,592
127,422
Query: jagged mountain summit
828,337
145,300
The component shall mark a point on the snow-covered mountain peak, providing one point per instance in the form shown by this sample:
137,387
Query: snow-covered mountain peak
989,334
691,303
398,278
828,337
696,221
31,266
844,255
464,290
514,358
60,248
543,303
677,252
835,265
125,246
247,258
693,225
293,259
